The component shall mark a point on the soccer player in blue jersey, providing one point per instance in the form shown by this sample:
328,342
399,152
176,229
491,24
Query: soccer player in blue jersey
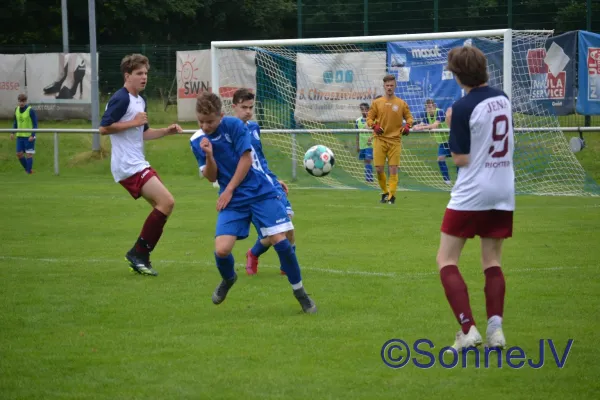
25,119
243,107
223,149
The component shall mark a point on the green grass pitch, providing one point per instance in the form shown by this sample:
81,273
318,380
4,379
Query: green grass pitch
76,324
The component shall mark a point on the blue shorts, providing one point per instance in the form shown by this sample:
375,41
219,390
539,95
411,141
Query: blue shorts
268,216
286,203
25,146
365,154
444,150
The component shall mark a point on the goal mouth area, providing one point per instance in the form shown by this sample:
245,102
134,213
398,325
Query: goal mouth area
309,92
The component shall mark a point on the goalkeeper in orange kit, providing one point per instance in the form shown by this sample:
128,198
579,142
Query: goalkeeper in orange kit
386,117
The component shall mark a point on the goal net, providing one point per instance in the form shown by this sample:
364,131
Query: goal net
310,91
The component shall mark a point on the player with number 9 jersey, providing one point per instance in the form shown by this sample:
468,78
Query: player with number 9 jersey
483,197
482,127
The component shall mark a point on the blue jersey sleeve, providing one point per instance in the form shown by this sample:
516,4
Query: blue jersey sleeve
34,120
116,108
240,136
146,125
198,152
460,130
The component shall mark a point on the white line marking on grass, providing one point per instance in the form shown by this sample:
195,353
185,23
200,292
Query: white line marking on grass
409,275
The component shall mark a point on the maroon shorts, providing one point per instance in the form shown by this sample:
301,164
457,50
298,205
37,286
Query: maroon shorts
496,224
135,182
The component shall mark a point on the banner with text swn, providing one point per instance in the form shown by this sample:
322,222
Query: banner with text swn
237,69
331,87
12,82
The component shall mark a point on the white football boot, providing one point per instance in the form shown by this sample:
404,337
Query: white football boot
471,339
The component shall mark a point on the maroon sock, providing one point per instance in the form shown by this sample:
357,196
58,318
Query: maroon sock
458,296
495,287
151,231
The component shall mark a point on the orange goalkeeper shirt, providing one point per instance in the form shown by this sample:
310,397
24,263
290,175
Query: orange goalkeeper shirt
390,115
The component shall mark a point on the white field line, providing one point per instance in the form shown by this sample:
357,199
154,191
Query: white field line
409,275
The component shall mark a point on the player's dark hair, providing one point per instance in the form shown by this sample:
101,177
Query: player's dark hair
469,64
388,78
208,103
429,101
242,95
366,105
132,62
22,97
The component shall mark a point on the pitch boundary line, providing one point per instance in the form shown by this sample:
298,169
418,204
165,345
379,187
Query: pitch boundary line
409,275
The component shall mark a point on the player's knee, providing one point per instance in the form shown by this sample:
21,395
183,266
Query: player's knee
166,204
290,236
20,154
379,169
443,259
393,169
222,252
441,158
28,155
276,238
224,245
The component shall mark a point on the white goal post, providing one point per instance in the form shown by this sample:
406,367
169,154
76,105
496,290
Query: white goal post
308,92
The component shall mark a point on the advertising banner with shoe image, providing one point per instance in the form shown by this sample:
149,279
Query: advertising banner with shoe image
59,85
12,82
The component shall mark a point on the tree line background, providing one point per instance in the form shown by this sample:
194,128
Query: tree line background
159,28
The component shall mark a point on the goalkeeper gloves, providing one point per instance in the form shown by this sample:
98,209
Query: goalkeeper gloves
377,129
405,130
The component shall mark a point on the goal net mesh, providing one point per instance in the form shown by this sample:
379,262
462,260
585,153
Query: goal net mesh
311,94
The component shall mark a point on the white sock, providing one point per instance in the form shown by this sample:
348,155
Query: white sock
297,285
495,322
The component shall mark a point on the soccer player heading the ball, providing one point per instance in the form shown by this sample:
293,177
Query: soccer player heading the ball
483,197
386,117
223,149
126,122
243,107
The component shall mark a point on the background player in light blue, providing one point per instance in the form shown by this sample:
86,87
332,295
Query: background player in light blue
243,107
247,195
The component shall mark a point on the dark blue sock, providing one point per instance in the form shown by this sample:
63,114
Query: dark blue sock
225,266
368,172
23,163
288,260
258,248
444,170
29,163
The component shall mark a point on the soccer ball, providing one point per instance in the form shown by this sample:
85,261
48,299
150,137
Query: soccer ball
319,160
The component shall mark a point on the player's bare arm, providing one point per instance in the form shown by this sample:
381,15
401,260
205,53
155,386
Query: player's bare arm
240,173
150,133
284,186
140,119
210,169
460,160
